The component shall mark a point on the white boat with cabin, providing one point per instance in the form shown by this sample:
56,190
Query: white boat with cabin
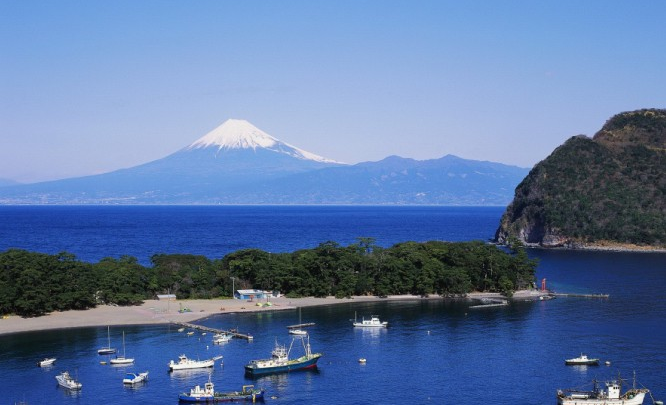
46,362
186,364
373,322
583,360
67,381
134,378
220,338
610,394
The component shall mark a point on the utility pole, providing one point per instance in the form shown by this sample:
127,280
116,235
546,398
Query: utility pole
233,287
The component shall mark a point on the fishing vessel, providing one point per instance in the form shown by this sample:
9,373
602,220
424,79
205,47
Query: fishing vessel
122,359
373,322
280,362
208,394
108,349
583,360
134,378
186,364
46,362
610,394
67,381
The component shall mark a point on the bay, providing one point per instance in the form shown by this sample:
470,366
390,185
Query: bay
434,352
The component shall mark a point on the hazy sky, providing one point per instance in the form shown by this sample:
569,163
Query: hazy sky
93,86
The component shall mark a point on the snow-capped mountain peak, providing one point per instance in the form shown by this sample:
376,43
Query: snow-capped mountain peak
240,134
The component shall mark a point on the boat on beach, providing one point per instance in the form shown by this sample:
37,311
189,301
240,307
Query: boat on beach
583,360
208,394
67,381
186,364
610,394
135,378
280,362
373,322
46,362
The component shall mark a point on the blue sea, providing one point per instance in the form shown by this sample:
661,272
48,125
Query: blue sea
434,352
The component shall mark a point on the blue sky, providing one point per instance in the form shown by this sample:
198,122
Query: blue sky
93,86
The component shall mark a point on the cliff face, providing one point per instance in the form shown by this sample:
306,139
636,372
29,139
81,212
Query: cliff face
610,189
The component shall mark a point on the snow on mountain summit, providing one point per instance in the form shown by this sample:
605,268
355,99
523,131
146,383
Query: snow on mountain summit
240,134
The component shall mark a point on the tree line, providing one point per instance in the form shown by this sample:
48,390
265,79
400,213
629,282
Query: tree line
33,284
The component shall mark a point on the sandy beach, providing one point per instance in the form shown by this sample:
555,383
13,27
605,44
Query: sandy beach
160,312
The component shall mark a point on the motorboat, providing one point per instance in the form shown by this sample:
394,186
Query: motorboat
583,360
373,322
67,381
220,338
135,378
184,363
46,362
208,394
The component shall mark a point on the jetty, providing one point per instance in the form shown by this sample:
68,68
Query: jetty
301,325
580,295
490,303
233,333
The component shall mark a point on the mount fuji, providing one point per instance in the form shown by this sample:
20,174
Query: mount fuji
237,163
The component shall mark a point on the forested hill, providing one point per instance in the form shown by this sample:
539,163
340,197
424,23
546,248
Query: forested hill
33,284
606,191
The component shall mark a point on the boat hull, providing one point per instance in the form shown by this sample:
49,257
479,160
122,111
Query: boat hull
191,366
635,400
293,365
223,397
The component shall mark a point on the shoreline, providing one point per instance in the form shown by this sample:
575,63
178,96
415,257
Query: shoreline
156,312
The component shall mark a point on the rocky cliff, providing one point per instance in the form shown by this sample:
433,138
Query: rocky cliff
607,191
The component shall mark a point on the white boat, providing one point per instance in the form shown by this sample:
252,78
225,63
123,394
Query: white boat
122,359
583,360
296,329
611,394
220,338
108,349
134,378
46,362
186,364
373,322
65,380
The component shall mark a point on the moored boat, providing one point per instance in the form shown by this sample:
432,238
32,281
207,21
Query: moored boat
208,394
611,394
122,359
373,322
135,378
46,362
219,338
67,381
280,362
185,364
583,360
107,349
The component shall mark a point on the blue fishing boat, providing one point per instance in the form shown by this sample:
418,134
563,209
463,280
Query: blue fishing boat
208,394
280,362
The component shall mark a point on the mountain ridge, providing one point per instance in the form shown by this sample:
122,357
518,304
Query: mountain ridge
237,163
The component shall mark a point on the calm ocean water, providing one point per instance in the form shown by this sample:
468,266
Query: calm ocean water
434,352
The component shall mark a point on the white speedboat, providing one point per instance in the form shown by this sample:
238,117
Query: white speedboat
373,322
583,360
67,381
298,332
610,395
220,338
46,362
134,378
186,364
122,359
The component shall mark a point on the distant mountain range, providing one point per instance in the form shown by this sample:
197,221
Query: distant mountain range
237,163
